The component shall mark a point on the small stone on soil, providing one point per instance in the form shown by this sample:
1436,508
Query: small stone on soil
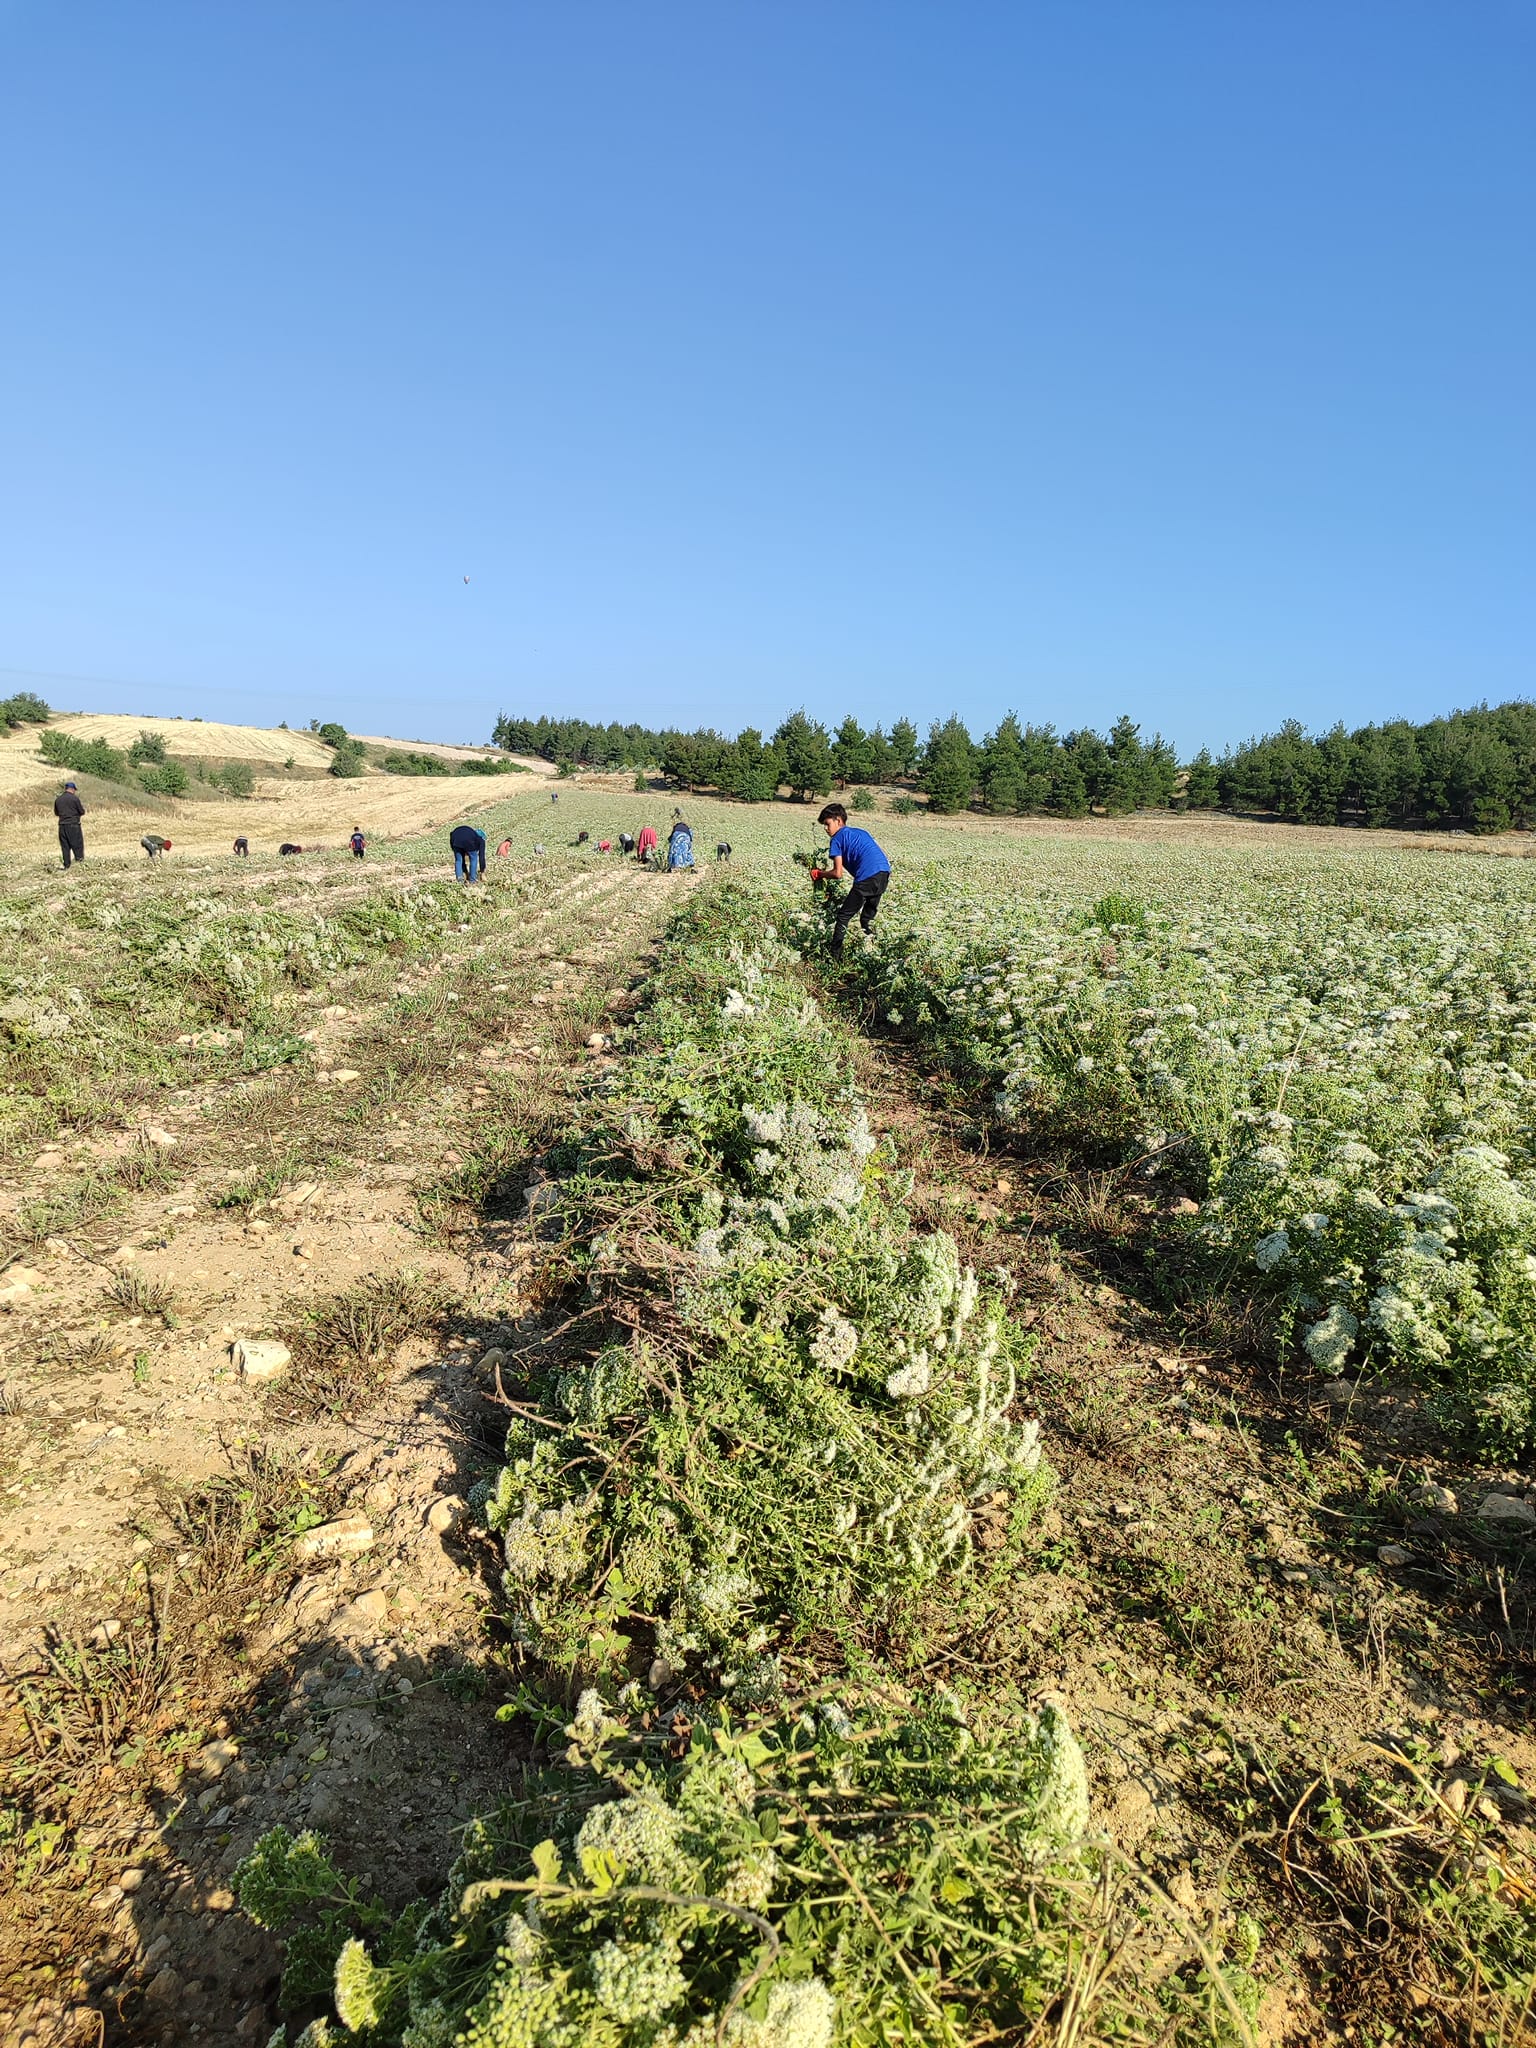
357,1616
260,1358
343,1537
1503,1507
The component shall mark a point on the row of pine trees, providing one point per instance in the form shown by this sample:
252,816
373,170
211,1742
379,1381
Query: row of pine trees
1016,770
1473,770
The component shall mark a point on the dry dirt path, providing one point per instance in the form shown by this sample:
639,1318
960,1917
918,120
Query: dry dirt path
191,1651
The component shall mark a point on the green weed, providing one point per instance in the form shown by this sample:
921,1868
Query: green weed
132,1293
343,1344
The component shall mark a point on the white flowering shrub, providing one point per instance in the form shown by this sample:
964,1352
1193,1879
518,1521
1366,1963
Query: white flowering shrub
1335,1055
817,1401
737,1894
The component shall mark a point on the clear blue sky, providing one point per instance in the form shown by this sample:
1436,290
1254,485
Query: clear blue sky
879,356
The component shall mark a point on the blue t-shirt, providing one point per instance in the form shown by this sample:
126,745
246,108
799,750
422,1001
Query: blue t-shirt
861,854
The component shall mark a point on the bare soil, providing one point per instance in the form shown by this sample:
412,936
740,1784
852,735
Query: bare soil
178,1675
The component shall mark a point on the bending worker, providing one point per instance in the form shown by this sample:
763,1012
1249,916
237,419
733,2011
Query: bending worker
468,849
856,856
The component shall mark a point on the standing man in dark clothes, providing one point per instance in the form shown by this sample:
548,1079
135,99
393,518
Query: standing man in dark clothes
857,856
468,849
69,810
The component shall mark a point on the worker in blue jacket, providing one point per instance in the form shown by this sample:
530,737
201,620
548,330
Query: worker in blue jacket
468,849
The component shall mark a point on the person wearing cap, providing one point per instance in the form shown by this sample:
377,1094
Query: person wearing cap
69,810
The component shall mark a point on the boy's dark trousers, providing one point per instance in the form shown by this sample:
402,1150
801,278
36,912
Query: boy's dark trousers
862,901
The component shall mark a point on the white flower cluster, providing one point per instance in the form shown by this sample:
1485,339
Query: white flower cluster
593,1393
713,1618
547,1545
633,1982
1343,1062
910,1381
802,2015
836,1341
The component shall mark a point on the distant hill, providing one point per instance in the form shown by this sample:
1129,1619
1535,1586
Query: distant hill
303,803
193,736
266,748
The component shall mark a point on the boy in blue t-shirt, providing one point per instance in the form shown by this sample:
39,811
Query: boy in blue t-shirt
857,856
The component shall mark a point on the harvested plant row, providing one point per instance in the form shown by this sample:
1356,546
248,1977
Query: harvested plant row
768,1434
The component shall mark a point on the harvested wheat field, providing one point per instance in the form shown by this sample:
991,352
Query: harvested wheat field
294,798
200,736
563,1454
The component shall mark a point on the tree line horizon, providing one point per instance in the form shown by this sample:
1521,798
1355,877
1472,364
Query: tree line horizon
1472,769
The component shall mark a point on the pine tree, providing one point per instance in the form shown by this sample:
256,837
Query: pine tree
1091,758
1333,762
695,760
904,746
1202,785
949,766
1159,773
1039,754
1122,788
1003,780
882,759
1069,790
851,753
753,768
807,755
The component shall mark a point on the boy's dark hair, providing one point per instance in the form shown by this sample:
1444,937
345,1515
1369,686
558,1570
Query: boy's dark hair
832,811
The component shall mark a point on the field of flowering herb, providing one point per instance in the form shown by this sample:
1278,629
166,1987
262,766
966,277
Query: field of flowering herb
813,1432
1335,1057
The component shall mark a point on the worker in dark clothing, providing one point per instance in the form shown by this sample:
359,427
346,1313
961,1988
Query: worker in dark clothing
154,845
69,810
468,849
